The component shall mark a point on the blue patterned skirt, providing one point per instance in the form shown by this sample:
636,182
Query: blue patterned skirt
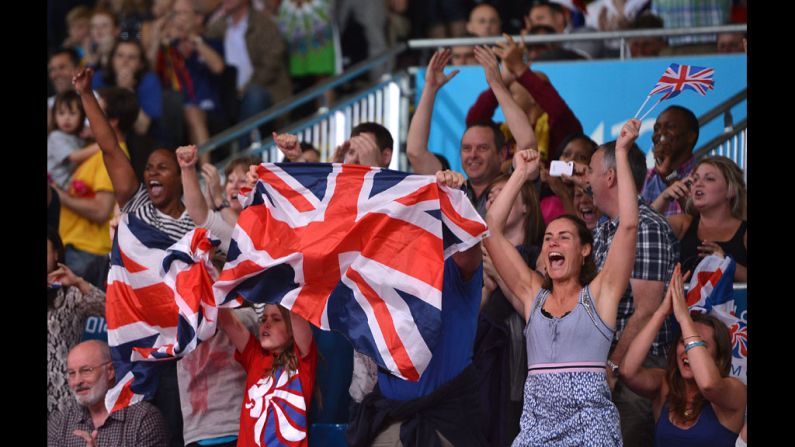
568,409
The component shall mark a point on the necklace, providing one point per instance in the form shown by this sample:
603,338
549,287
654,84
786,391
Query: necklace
689,413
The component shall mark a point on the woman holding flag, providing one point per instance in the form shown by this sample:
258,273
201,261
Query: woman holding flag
157,202
695,401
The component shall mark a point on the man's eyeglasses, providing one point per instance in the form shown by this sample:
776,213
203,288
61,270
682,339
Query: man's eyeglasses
84,371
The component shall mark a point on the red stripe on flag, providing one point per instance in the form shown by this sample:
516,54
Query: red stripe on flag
703,277
145,352
313,299
261,228
195,286
130,265
243,269
424,194
426,260
153,305
387,326
125,396
200,241
680,81
299,201
474,228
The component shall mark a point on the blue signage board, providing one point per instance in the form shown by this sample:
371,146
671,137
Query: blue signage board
96,329
602,93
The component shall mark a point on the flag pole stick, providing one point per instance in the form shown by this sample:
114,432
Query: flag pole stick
641,106
652,108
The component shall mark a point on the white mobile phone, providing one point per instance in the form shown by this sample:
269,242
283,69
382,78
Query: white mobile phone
558,168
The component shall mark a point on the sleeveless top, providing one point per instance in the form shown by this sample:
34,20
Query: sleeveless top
707,431
566,398
688,254
578,341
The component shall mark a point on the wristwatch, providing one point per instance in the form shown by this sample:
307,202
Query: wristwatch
613,367
224,204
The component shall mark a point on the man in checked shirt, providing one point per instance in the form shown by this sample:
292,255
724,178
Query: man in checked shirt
656,254
87,423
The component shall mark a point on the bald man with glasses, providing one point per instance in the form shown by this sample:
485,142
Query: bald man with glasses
87,423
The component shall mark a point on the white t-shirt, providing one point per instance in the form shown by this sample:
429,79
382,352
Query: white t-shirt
236,52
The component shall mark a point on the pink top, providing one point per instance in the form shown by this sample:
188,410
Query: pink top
552,208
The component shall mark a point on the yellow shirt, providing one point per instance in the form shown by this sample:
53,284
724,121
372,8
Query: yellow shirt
542,135
89,178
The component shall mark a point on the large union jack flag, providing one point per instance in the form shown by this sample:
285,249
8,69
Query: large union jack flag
711,291
678,78
160,304
353,249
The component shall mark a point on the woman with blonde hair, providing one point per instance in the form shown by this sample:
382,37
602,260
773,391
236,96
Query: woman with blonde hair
715,222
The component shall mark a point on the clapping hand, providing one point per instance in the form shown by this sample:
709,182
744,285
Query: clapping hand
488,60
511,53
434,75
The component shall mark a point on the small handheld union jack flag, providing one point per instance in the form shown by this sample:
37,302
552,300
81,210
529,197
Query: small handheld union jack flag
678,78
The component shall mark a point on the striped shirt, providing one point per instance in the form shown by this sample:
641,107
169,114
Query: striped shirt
141,206
657,251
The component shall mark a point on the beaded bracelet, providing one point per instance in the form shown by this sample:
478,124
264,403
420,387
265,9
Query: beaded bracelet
693,344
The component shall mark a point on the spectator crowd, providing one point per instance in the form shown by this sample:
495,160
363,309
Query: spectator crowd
568,325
